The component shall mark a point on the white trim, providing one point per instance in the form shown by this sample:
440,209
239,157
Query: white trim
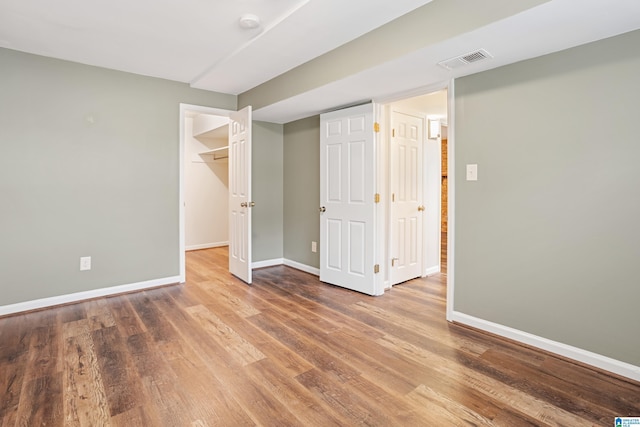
181,218
85,295
432,270
182,257
412,93
379,216
451,199
267,263
597,360
206,246
206,110
302,267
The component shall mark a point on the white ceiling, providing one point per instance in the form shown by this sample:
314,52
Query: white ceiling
193,41
199,41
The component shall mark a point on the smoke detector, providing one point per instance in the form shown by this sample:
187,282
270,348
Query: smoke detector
249,21
466,59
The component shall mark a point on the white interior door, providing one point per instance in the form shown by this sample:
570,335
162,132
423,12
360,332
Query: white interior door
407,209
347,181
240,194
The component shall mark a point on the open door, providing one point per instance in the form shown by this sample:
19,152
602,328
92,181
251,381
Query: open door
240,203
407,208
347,209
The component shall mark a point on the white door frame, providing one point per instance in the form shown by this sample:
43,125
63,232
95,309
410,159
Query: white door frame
181,216
451,199
383,245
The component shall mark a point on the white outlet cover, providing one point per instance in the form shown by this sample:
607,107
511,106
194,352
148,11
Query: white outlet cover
85,263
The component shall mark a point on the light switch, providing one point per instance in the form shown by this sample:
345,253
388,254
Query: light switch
85,263
472,172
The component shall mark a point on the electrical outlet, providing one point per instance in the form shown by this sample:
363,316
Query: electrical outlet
314,247
472,172
85,263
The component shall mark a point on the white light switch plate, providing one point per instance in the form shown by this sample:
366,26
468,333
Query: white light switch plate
472,172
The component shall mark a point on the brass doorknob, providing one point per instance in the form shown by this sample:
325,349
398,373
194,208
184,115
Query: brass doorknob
322,209
421,208
243,204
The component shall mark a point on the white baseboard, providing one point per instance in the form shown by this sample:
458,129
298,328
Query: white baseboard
267,263
86,295
302,267
206,246
597,360
432,270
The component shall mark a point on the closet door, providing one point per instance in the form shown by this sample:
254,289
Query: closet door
240,203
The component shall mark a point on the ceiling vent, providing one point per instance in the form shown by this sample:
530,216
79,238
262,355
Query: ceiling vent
466,59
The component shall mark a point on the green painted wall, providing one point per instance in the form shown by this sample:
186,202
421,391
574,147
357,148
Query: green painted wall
267,191
302,190
88,167
547,240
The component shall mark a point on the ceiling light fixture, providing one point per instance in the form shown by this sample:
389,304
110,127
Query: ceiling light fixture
249,21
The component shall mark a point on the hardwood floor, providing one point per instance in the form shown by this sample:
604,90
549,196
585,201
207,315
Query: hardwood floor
287,350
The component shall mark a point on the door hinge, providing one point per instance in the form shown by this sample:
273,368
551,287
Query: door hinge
393,133
376,269
376,127
376,198
393,197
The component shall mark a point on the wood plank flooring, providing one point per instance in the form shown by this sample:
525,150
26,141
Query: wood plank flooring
286,351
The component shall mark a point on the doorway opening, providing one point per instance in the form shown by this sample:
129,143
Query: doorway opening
212,148
206,180
193,162
415,140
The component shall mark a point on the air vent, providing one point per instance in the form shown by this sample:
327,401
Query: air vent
466,59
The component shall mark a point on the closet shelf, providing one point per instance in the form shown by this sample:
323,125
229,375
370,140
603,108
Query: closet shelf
217,153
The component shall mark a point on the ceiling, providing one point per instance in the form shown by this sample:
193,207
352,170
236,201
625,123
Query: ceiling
200,42
193,41
551,27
